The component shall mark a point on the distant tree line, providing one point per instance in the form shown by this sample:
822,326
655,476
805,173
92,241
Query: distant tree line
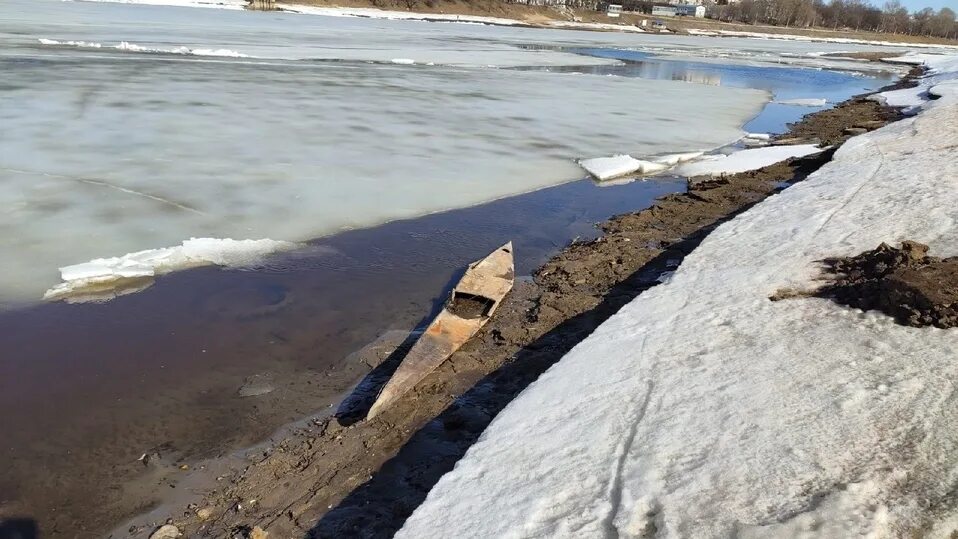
841,14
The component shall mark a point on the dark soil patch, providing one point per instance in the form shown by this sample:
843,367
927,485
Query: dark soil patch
468,307
905,283
365,479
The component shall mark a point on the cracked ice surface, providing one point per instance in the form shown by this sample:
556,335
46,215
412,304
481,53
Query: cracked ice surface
702,409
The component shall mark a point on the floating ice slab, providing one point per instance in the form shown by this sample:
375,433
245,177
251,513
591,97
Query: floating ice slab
744,160
78,279
703,409
804,102
673,159
606,168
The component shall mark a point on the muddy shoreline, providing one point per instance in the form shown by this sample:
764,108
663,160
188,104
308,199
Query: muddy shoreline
340,476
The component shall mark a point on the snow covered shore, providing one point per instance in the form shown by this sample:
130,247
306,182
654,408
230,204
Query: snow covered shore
702,409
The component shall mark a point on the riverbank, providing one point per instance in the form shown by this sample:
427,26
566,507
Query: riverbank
705,408
375,473
504,13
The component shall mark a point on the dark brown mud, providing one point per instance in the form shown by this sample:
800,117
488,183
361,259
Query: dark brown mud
346,477
903,282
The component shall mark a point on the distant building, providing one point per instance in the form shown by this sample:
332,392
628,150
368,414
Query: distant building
664,11
690,11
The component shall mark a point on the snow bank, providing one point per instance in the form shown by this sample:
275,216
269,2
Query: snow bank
804,102
192,253
133,47
373,13
702,409
943,71
574,25
717,165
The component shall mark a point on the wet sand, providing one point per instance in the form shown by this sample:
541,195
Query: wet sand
346,477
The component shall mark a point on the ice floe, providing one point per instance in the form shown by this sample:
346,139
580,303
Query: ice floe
803,102
703,409
101,277
676,158
605,168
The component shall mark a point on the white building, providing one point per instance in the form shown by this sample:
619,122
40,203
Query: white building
679,10
663,11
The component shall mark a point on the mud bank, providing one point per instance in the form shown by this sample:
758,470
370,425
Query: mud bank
341,476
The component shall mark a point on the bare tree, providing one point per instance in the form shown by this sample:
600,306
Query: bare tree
851,14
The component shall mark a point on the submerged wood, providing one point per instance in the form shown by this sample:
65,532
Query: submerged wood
471,304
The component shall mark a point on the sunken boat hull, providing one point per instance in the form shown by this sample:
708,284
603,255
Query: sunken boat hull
472,302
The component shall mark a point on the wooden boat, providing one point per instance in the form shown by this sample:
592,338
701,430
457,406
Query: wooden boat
471,304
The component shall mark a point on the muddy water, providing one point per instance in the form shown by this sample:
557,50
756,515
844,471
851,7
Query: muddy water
85,390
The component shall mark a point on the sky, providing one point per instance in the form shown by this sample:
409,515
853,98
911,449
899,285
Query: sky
915,5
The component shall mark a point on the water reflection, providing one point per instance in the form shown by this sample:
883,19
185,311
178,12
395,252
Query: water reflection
782,82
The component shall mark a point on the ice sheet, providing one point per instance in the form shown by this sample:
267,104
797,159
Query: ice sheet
703,409
121,151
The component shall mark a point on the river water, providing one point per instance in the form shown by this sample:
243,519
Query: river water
132,127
